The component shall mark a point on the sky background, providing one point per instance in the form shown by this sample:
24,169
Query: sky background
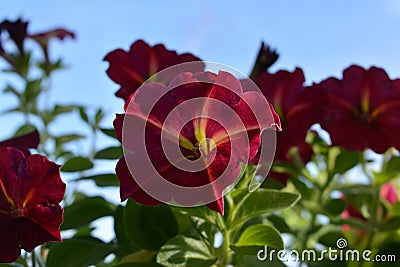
321,37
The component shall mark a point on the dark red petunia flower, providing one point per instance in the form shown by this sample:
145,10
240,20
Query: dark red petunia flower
43,38
23,142
17,32
30,192
364,110
132,68
194,137
299,107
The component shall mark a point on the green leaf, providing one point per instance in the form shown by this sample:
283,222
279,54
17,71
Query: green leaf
240,260
84,233
260,202
140,257
345,161
83,114
202,212
149,227
113,152
204,228
25,129
391,224
86,210
331,238
32,90
395,209
351,222
77,253
11,90
256,237
305,191
102,180
126,244
61,109
62,139
138,264
335,207
182,251
98,116
279,223
393,166
11,110
11,265
109,132
77,164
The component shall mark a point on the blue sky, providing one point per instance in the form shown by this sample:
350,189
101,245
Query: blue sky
322,37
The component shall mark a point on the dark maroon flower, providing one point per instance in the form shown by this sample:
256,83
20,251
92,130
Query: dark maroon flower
30,192
17,32
132,68
23,142
43,38
265,59
197,134
364,110
299,107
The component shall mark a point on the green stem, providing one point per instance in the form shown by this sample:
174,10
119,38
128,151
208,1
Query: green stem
33,258
373,220
364,168
224,257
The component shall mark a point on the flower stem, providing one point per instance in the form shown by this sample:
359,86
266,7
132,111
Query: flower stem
33,258
225,245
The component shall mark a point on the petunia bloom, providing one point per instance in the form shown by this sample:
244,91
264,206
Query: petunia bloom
23,142
185,141
30,192
298,106
43,38
17,32
364,110
130,69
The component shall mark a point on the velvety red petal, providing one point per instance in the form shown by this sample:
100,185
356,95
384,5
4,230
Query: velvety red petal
122,70
23,142
118,124
38,193
128,186
31,189
39,182
10,159
30,235
130,69
9,247
217,205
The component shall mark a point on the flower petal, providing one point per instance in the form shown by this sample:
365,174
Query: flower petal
23,142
